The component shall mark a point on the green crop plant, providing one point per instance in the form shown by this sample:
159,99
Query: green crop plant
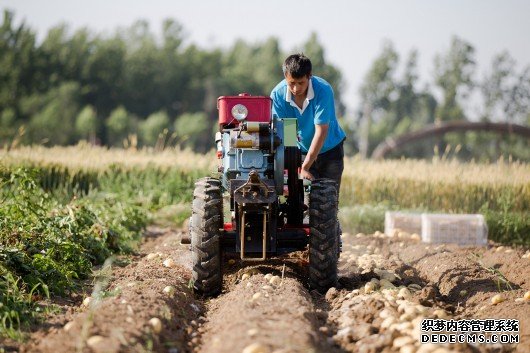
500,279
47,245
17,304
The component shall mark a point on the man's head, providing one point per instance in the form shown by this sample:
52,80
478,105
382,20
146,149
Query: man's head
297,66
297,71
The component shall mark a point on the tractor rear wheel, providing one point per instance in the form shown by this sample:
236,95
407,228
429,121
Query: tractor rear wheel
205,231
323,239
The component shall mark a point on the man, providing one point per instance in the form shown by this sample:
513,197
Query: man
310,100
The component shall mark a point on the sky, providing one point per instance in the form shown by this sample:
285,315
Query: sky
352,32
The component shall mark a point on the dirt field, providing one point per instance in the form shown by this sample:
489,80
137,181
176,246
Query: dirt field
387,286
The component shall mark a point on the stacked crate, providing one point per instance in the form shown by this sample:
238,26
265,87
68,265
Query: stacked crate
461,229
396,222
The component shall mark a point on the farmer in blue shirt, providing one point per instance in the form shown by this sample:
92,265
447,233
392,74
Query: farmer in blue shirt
310,100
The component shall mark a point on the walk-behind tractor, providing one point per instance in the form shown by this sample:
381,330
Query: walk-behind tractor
259,165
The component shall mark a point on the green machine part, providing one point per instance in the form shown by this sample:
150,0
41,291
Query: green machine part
290,132
287,130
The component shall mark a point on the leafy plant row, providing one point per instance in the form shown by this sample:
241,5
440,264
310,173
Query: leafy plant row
56,224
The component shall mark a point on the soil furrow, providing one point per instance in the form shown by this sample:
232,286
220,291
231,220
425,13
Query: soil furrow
148,306
387,286
266,308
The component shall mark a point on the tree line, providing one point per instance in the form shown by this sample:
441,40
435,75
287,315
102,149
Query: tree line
135,88
393,102
130,87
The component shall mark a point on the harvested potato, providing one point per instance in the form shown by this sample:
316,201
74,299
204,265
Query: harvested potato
496,299
169,263
169,290
256,348
156,324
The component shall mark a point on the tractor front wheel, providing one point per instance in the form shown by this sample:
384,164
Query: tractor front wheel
205,232
323,239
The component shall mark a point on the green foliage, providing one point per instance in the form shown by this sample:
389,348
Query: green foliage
18,64
55,123
129,75
133,70
512,228
120,125
46,244
192,130
86,123
153,127
57,222
379,80
251,68
392,106
7,124
16,303
316,52
365,218
506,92
453,75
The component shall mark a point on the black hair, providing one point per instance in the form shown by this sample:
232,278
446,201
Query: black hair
297,65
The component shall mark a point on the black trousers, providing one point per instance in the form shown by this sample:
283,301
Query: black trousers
329,164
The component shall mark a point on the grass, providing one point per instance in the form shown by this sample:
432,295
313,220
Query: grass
84,157
500,191
17,304
437,185
362,218
500,279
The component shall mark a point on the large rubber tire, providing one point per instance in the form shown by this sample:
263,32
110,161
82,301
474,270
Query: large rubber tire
323,239
205,231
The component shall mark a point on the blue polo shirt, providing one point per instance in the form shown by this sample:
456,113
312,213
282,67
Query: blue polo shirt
318,109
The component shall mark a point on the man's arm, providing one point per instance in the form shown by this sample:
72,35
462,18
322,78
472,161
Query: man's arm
324,111
321,132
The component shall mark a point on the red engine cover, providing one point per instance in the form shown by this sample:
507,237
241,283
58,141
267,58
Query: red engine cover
259,108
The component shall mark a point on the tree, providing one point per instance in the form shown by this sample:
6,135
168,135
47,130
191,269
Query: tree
86,124
375,93
506,93
7,125
120,125
496,85
517,106
454,76
54,123
239,68
393,105
316,52
268,61
194,131
174,72
409,109
103,75
153,127
55,54
17,62
143,71
42,86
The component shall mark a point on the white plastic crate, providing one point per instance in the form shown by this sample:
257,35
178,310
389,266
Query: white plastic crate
461,229
402,222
